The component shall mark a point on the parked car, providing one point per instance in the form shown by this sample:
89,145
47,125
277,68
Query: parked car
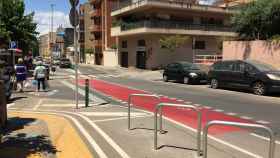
65,63
184,72
258,77
56,62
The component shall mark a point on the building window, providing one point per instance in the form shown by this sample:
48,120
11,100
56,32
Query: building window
199,45
124,44
141,43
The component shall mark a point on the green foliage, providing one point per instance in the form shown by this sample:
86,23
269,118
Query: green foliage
171,43
258,20
89,51
114,46
15,26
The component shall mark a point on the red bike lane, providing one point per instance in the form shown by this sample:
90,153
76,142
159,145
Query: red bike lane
184,116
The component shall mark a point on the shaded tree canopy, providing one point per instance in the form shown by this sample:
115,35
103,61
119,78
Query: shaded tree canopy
173,42
258,20
16,26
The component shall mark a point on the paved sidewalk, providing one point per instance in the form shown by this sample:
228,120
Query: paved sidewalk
31,135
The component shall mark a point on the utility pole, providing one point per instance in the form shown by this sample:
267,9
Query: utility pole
52,38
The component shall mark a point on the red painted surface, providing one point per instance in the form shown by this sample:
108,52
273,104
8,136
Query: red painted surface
185,116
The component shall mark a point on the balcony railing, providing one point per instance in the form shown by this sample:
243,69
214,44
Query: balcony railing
207,59
95,28
163,24
181,3
96,13
94,1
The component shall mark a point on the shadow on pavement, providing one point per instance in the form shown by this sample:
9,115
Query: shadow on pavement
17,144
177,147
22,146
15,99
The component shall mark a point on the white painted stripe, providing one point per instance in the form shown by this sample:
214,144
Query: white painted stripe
10,105
197,104
37,105
104,135
264,138
173,98
218,110
120,118
263,122
231,113
92,76
188,102
180,100
210,136
207,107
246,117
82,92
61,105
111,114
90,140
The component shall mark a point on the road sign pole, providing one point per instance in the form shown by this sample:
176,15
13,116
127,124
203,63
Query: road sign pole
76,67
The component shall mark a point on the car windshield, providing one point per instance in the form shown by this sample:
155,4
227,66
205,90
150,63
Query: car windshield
262,66
189,66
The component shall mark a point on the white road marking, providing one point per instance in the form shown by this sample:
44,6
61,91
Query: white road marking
106,137
10,105
246,117
231,114
90,140
209,136
264,138
207,107
120,118
111,114
197,105
263,122
188,102
173,98
37,105
180,100
82,92
218,110
92,76
61,105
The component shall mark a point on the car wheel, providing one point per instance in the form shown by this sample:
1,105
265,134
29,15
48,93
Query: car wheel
165,78
186,80
214,83
259,88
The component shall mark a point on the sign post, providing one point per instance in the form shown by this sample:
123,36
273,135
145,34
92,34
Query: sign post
74,20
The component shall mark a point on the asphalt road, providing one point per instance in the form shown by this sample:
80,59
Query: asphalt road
262,109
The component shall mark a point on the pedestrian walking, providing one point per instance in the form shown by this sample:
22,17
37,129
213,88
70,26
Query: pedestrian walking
40,75
21,73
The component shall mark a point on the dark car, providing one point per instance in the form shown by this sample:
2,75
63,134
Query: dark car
258,77
65,63
184,72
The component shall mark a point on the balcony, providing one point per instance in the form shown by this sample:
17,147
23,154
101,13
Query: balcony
95,28
130,6
96,13
94,1
172,27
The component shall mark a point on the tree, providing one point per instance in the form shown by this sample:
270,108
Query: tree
15,26
171,43
258,20
89,51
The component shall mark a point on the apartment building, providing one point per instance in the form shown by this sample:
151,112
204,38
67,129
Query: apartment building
232,3
85,37
46,41
140,24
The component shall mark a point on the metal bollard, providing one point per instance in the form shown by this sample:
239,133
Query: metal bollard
86,92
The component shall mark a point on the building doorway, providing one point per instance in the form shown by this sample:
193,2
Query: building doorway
98,58
141,59
124,59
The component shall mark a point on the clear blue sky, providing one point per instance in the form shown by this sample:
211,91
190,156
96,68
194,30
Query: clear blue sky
42,9
44,5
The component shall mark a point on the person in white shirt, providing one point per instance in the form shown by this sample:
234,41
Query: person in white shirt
40,75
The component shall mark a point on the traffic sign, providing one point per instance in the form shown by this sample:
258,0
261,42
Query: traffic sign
13,45
74,17
74,3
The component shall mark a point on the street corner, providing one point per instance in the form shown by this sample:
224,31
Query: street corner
39,135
